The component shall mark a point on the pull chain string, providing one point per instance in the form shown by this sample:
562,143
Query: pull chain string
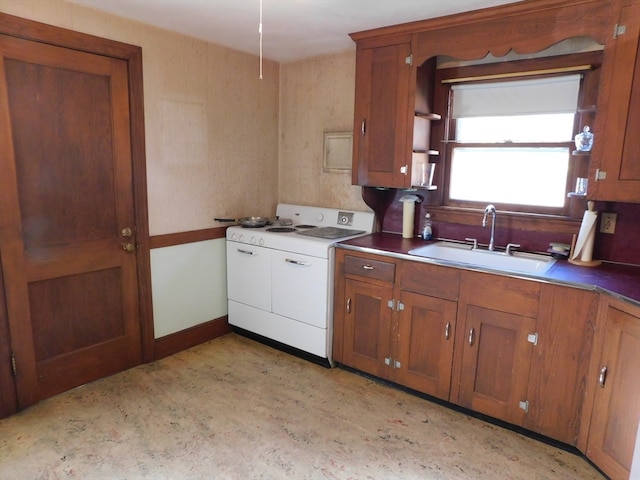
260,32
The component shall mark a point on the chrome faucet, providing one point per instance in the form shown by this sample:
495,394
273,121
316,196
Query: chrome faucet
490,209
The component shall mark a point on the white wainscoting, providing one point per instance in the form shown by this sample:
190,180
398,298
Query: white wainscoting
189,285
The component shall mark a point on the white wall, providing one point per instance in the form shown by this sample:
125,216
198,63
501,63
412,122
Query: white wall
188,284
220,142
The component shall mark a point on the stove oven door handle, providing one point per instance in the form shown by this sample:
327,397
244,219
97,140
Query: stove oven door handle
297,262
246,252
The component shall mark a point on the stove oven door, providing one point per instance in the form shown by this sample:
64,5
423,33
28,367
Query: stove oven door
249,275
300,287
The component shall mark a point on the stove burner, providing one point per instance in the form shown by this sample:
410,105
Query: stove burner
281,229
305,226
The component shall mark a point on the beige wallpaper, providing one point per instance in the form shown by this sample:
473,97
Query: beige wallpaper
211,124
316,95
220,141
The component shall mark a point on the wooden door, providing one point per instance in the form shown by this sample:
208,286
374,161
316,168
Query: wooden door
616,407
495,363
383,109
426,329
66,198
367,327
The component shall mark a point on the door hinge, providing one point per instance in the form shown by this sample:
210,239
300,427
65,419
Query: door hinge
14,369
532,338
524,405
409,60
404,169
387,361
619,30
396,306
600,175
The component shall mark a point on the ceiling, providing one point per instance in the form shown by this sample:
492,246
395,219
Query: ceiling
292,29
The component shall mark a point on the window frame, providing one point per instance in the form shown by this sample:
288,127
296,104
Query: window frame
443,133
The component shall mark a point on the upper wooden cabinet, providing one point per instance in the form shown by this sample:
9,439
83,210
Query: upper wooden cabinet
615,169
389,123
381,146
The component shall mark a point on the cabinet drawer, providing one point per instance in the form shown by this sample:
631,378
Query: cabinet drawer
431,280
370,268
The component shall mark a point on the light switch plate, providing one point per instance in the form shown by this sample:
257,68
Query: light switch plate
608,223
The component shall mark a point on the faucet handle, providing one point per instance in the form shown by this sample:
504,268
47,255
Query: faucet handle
510,247
475,243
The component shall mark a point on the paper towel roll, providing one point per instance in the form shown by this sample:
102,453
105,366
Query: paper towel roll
586,236
408,214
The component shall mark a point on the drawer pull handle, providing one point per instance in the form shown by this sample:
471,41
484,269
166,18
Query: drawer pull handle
297,262
471,335
349,305
368,267
363,126
602,378
447,328
246,252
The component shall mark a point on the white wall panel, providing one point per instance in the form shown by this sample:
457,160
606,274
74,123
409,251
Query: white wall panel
188,285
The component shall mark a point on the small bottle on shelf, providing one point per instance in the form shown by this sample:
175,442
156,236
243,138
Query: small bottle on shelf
427,231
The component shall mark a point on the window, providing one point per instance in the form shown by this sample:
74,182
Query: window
509,141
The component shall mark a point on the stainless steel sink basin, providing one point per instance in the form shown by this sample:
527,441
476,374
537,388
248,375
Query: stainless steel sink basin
519,262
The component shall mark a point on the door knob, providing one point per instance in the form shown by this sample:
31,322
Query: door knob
128,247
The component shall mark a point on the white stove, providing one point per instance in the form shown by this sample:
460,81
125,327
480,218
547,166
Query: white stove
280,277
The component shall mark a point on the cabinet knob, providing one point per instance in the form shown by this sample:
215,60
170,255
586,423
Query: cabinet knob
363,126
471,336
447,329
349,305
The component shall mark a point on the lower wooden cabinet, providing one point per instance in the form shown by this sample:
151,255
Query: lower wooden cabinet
383,327
557,360
616,402
424,344
495,345
566,327
367,327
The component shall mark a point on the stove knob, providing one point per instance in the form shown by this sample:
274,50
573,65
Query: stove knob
261,243
319,217
233,236
253,240
241,238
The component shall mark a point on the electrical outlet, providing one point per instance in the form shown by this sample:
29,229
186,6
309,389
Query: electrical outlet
608,223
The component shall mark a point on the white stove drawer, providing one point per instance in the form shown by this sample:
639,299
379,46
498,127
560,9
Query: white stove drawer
300,287
249,275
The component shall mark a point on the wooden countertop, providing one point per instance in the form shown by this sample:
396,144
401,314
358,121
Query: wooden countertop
620,280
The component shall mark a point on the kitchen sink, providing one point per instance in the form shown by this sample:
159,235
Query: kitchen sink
457,253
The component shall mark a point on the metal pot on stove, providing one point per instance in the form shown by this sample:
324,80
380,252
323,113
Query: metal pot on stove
247,222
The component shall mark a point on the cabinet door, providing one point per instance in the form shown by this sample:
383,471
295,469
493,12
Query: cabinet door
367,327
383,111
618,155
616,408
495,363
426,329
559,367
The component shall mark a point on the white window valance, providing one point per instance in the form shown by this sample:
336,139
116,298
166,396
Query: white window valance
519,97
